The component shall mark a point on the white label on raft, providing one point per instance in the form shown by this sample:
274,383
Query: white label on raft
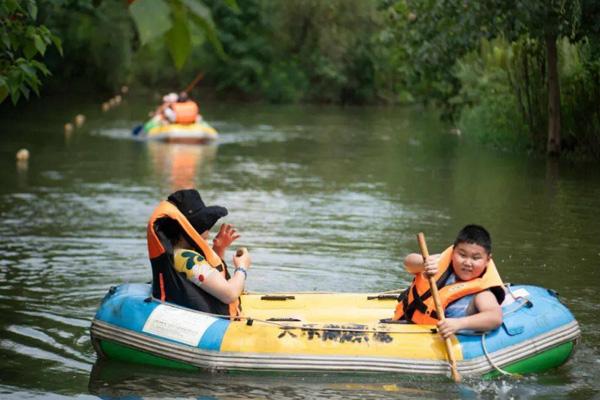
177,324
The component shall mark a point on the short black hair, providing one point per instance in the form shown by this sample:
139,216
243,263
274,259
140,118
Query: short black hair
183,96
475,234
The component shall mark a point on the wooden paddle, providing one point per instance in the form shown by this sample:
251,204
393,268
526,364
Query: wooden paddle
439,310
197,79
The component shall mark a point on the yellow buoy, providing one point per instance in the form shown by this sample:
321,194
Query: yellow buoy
68,127
105,106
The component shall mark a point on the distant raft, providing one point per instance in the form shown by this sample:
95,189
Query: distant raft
199,132
330,332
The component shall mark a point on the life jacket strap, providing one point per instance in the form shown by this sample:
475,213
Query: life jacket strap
163,295
418,300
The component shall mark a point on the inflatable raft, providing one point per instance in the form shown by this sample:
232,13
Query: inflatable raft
198,132
329,332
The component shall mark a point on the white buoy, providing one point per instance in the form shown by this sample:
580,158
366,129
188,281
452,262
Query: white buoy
79,119
105,106
124,89
23,155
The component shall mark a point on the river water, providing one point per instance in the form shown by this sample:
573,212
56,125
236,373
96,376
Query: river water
325,198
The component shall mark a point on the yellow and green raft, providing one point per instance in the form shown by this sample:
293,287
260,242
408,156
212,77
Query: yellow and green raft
345,332
199,132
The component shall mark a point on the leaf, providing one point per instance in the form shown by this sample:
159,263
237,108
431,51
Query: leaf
198,8
32,9
233,5
40,45
29,50
25,90
5,40
58,43
151,18
27,69
12,6
3,89
14,95
178,38
41,67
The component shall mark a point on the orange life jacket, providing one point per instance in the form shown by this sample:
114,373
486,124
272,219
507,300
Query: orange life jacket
416,303
186,112
167,284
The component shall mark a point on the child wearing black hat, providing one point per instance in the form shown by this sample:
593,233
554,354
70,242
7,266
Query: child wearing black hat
195,266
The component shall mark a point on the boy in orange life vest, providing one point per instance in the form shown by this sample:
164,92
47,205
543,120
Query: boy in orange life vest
470,288
201,280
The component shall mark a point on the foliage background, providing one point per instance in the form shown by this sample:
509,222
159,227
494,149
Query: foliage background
483,64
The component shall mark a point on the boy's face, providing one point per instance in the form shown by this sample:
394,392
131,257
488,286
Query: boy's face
469,260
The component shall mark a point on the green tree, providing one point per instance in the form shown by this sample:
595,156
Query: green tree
22,42
435,34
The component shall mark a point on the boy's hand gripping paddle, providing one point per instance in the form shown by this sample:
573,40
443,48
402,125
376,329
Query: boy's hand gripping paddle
439,310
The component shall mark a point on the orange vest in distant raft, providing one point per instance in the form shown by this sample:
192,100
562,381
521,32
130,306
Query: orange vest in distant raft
167,283
186,112
416,304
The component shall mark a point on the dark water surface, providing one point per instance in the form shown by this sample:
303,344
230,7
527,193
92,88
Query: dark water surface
326,198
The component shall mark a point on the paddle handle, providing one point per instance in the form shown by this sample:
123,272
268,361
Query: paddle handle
240,252
438,309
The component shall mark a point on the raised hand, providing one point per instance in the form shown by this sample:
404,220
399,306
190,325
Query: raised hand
226,235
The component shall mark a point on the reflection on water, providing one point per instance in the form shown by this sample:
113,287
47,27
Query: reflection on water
112,379
182,165
326,199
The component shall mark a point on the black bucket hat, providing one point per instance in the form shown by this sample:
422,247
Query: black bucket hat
189,202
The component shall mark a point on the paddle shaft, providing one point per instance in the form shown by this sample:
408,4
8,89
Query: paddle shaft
197,79
438,309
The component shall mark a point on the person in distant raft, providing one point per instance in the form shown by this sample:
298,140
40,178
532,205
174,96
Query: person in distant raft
185,269
182,111
470,287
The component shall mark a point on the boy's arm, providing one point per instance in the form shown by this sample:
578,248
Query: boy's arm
414,263
488,317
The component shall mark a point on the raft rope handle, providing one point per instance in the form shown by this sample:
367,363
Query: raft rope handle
335,329
524,303
489,358
304,328
316,328
487,355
